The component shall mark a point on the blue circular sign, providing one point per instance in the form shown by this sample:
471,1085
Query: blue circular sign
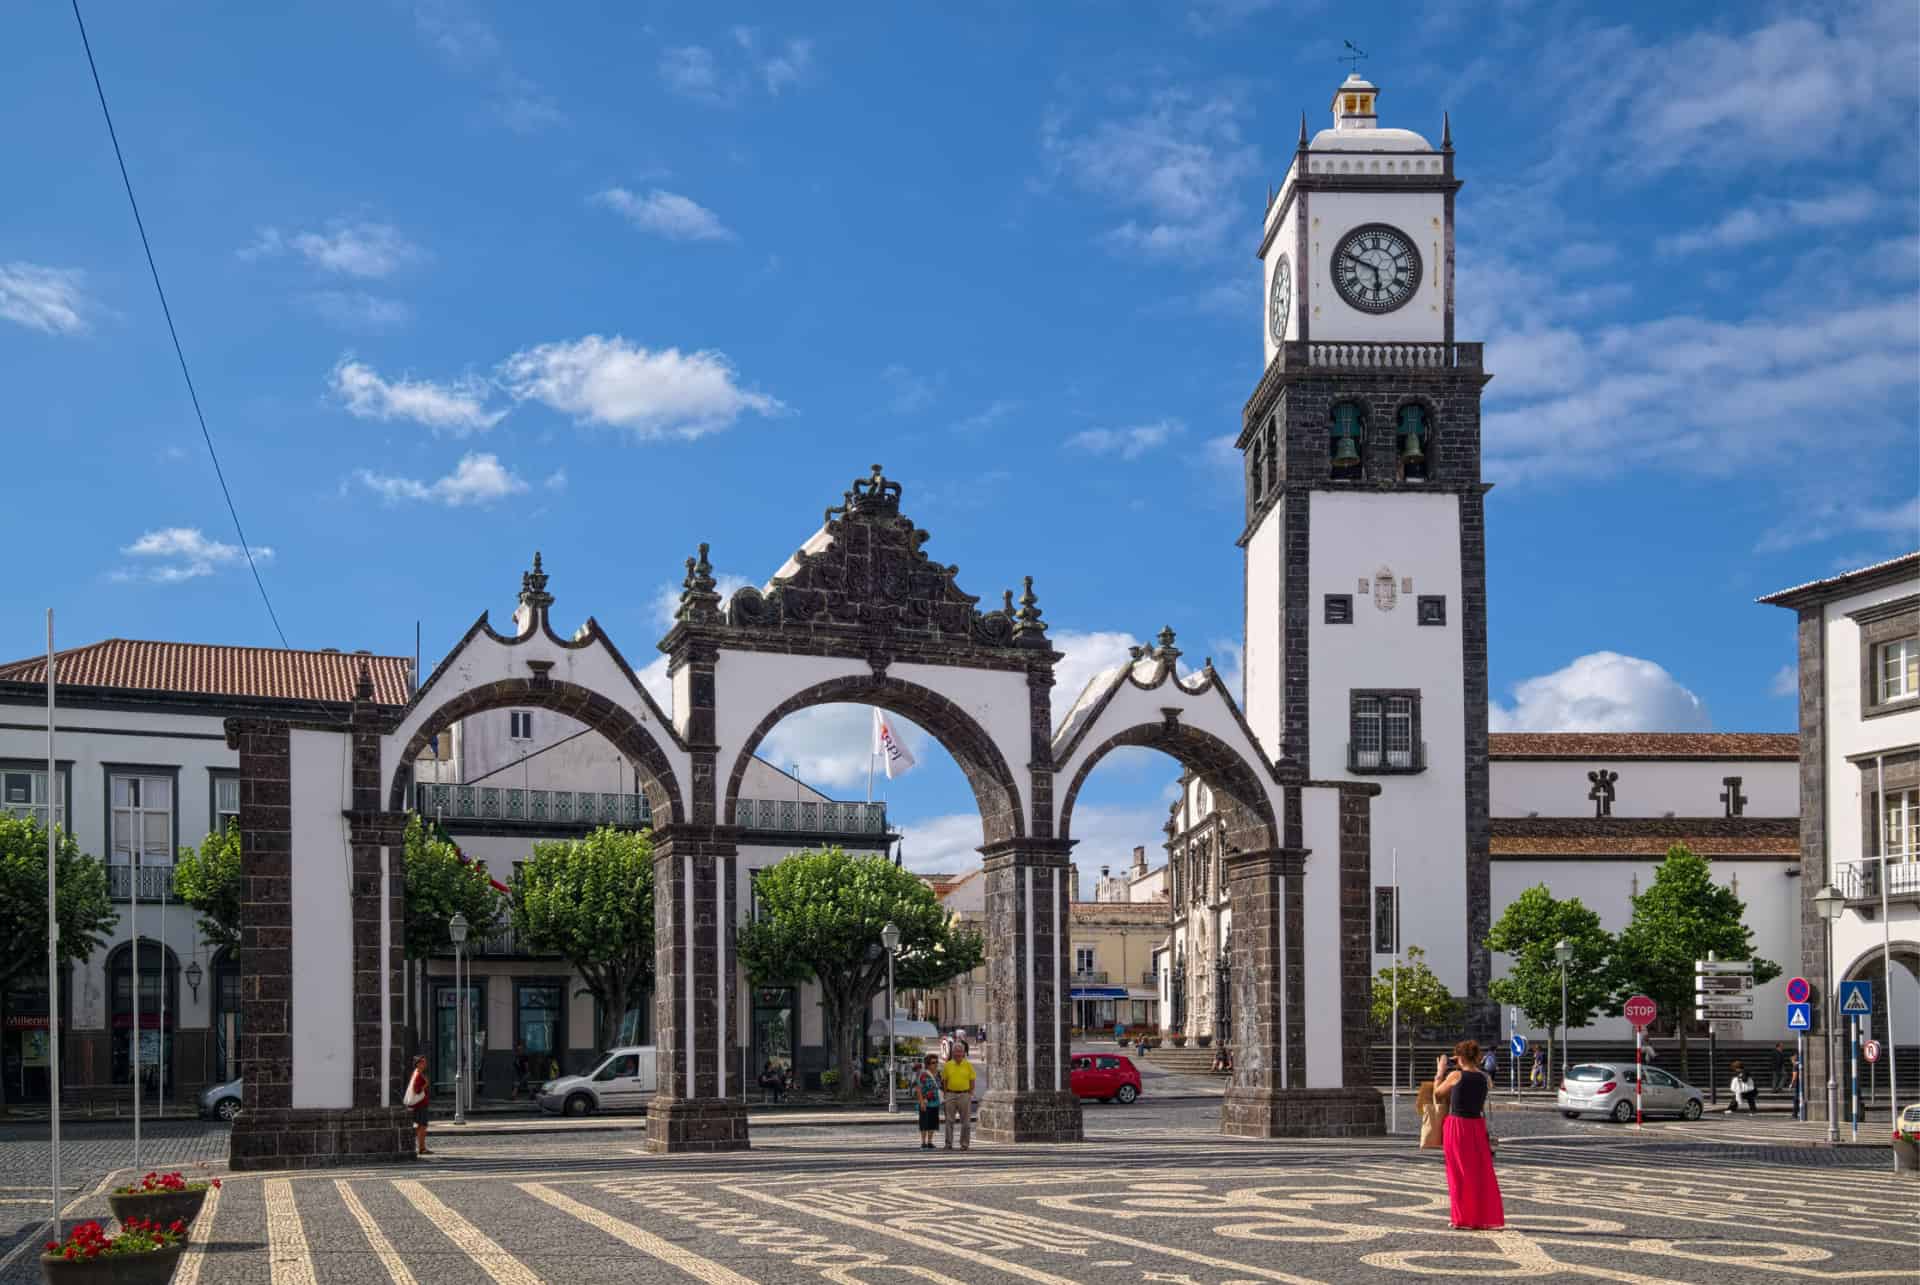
1798,990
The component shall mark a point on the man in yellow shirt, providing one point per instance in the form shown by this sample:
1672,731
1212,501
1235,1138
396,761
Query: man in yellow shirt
956,1078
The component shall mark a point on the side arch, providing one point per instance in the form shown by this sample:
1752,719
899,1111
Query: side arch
995,788
1243,800
582,704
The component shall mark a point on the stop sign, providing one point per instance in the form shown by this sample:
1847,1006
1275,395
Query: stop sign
1640,1011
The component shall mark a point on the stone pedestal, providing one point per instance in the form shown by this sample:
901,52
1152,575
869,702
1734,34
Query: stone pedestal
1251,1112
266,1138
1029,980
699,1105
697,1124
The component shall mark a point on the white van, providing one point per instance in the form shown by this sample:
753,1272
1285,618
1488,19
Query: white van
622,1082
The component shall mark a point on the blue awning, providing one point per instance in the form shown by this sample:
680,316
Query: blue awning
1100,992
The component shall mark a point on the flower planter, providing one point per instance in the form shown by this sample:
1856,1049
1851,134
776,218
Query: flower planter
162,1207
154,1267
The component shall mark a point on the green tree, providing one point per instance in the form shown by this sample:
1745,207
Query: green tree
591,900
209,881
820,916
1533,923
81,904
1682,915
1423,997
439,885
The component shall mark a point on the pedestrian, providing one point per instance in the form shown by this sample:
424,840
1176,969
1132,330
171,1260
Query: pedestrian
956,1083
926,1096
1740,1088
1779,1066
773,1081
1537,1078
1473,1192
1796,1088
522,1069
418,1098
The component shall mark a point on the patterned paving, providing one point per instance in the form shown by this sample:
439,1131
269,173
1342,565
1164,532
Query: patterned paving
1188,1211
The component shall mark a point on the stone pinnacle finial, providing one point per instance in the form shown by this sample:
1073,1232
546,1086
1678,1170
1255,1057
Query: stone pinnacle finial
699,604
1303,129
1167,651
533,586
363,685
1028,623
1446,131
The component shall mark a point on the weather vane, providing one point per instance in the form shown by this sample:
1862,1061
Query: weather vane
1352,59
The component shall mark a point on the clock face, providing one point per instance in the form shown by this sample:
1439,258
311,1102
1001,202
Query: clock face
1280,302
1376,268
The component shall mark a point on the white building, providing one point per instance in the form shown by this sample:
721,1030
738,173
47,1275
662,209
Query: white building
1859,645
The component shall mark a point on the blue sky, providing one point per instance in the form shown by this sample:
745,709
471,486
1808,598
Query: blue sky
461,280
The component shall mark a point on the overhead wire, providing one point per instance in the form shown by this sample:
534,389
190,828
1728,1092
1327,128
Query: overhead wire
180,353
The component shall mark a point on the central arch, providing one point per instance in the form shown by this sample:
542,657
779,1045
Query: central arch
1251,824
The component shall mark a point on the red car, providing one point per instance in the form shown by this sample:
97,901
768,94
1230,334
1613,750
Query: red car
1106,1076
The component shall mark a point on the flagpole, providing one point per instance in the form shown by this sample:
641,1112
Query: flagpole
53,940
1886,932
1393,1029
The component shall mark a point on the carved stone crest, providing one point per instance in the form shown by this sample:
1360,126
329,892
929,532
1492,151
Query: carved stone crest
1385,592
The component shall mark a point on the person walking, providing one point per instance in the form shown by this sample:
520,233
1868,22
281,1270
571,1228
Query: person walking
926,1096
1537,1078
1741,1089
956,1082
522,1072
419,1098
1473,1192
1779,1066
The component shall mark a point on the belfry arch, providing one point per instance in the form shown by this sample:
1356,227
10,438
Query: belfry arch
859,613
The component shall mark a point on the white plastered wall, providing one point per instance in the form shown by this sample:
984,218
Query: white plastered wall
1320,951
322,910
1421,216
1646,788
1265,677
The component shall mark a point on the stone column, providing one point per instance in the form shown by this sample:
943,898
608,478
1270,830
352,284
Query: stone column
700,1103
266,941
1029,980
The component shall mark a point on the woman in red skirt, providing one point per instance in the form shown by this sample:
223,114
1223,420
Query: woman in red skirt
1472,1190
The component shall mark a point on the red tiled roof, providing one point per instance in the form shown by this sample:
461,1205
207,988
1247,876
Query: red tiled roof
1644,745
205,669
1650,845
1876,573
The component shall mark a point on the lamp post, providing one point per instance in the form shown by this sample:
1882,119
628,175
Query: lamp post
194,975
1831,905
1563,951
890,938
457,929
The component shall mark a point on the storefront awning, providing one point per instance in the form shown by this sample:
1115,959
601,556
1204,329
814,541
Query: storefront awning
1100,992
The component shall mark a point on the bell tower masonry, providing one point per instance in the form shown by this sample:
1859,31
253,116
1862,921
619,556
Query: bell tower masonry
1365,546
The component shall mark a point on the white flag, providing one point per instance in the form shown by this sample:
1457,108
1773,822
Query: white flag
897,757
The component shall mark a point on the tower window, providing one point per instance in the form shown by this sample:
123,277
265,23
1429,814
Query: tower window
1257,471
1384,733
1273,453
1344,437
1339,608
1353,102
1410,436
520,725
1431,609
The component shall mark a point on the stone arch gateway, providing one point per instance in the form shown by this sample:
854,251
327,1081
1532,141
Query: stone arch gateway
861,614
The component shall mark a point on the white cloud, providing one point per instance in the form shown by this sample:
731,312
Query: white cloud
173,554
1602,692
45,299
556,480
1179,162
357,310
695,72
831,744
987,418
366,250
1127,443
653,677
1824,518
1083,655
470,43
478,479
949,844
911,392
669,214
689,70
651,393
457,408
788,65
455,33
522,107
1768,219
1786,681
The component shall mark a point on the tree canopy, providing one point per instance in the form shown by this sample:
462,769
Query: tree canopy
1423,997
209,881
820,915
439,885
85,912
1532,924
591,900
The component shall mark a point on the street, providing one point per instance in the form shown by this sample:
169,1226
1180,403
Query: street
1154,1194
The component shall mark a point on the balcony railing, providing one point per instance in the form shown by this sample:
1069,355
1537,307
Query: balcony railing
1860,880
1089,977
155,882
1373,758
594,808
1295,356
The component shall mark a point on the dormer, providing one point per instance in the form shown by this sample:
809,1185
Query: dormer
1353,103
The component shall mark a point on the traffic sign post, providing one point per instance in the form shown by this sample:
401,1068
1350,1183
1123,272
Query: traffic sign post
1517,1046
1856,999
1870,1050
1640,1010
1853,1071
1799,991
1800,1017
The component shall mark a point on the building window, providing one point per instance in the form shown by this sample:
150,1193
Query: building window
1273,453
520,725
1410,443
1257,470
159,1013
23,793
1343,439
1339,608
143,836
1083,959
1384,732
540,1025
1432,609
1902,816
226,801
1386,921
1897,670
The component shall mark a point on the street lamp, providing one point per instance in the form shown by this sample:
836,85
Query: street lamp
1831,905
1563,951
194,975
890,938
457,929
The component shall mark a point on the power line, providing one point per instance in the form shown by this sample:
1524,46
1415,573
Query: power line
168,313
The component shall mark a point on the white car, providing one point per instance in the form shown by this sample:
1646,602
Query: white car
1606,1089
623,1081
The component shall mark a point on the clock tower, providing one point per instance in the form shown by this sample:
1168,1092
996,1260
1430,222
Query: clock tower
1365,544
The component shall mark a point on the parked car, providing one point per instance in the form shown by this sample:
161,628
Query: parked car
222,1101
1109,1077
622,1082
1606,1089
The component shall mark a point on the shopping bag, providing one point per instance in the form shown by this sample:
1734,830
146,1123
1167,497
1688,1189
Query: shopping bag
1432,1127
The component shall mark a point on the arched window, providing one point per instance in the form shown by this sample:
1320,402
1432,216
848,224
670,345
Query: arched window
225,1003
1410,438
1343,440
159,1012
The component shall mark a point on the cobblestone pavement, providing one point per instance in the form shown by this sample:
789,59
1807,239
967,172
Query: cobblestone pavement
1149,1198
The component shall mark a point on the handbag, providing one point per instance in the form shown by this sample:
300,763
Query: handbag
1432,1127
413,1096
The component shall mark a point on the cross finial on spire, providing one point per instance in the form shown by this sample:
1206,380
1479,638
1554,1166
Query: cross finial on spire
1303,128
1446,131
1353,57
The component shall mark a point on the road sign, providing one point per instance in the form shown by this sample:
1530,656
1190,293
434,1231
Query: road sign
1722,966
1741,989
1518,1044
1871,1050
1640,1011
1798,991
1723,1014
1856,999
1800,1016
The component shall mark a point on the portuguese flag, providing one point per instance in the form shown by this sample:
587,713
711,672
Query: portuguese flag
438,832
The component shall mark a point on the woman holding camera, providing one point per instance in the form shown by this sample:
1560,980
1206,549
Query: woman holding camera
1472,1191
